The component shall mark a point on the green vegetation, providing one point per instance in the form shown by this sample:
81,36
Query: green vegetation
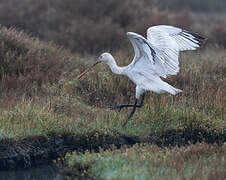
199,161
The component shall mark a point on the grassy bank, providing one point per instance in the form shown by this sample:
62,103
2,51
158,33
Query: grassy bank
71,106
41,104
199,161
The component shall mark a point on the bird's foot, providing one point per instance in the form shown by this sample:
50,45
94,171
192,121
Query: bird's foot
117,107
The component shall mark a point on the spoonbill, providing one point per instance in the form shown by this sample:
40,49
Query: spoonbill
155,57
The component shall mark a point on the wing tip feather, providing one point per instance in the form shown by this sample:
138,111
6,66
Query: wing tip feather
195,36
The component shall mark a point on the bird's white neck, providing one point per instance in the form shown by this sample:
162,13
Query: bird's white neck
114,67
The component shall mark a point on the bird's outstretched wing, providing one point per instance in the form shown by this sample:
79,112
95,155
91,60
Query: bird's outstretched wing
185,40
161,48
145,58
169,41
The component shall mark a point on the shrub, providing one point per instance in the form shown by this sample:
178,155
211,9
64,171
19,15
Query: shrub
25,61
86,26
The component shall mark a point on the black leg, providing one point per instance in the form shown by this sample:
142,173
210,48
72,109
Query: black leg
134,106
120,106
142,100
133,110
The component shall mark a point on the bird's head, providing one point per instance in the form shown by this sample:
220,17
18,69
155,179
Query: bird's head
105,57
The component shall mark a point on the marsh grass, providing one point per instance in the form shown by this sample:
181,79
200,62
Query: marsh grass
201,77
199,161
68,105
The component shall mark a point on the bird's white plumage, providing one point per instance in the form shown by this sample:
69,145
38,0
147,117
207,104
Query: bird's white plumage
167,50
155,57
184,39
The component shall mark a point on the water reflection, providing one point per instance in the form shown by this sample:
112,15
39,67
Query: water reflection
44,172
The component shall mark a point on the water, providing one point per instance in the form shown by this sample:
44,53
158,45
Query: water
43,172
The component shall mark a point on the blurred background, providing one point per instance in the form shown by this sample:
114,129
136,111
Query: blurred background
94,26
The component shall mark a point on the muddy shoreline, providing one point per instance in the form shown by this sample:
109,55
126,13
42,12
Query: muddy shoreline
38,150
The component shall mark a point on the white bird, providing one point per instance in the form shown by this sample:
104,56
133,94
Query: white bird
155,57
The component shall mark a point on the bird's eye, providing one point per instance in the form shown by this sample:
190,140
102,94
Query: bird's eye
101,57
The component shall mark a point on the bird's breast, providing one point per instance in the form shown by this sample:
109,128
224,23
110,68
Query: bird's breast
137,78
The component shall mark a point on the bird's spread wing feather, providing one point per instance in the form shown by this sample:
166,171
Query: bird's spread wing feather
185,40
162,47
169,41
145,55
141,47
